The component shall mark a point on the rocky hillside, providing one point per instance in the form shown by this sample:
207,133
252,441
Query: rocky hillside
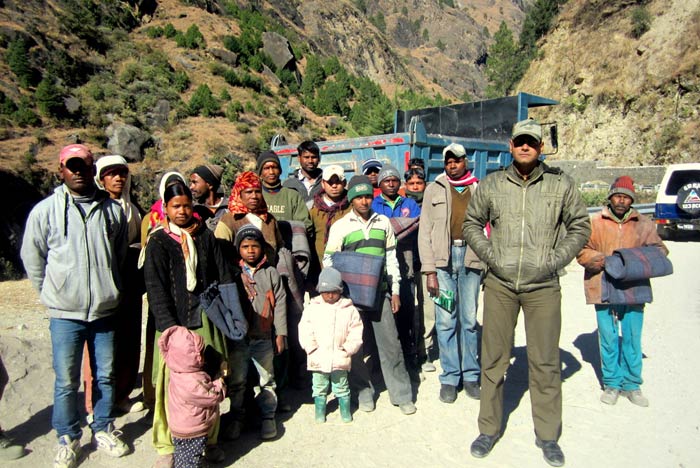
625,99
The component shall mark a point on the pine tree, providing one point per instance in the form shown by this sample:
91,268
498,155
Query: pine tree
503,65
16,56
48,98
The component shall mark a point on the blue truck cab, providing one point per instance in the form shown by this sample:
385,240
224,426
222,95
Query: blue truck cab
482,127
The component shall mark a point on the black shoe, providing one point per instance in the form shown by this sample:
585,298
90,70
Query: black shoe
551,451
448,393
482,445
472,390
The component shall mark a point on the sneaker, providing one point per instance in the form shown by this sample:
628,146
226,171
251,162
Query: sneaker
268,430
610,395
232,431
214,454
636,397
472,390
109,442
428,366
8,450
448,393
482,445
407,408
551,451
127,406
67,453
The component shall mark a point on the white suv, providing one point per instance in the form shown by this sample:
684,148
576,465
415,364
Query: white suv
678,201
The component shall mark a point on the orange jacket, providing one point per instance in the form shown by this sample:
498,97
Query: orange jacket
608,235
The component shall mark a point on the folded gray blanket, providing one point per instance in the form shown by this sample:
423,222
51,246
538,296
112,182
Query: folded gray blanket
638,263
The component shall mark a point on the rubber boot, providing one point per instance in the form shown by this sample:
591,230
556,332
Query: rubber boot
345,413
320,404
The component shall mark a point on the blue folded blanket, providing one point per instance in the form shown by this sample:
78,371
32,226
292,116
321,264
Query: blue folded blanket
223,307
363,274
627,273
638,263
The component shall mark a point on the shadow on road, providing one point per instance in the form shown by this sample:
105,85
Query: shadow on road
587,343
516,383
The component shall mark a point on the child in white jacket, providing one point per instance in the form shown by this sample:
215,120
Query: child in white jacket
330,332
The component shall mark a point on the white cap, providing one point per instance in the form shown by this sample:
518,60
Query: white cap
334,169
456,149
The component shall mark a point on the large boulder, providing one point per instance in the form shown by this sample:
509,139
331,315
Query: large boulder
127,141
278,48
158,116
226,56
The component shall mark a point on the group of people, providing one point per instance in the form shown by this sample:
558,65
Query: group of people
317,282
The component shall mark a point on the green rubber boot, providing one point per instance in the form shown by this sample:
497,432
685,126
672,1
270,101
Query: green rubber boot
345,413
320,404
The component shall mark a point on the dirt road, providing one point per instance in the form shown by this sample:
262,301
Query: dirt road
665,434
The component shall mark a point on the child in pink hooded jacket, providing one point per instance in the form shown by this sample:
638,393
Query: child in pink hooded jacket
330,332
193,398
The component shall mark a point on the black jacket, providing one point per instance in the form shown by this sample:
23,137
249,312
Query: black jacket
164,269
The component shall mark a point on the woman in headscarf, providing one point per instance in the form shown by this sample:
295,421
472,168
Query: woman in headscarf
247,206
182,259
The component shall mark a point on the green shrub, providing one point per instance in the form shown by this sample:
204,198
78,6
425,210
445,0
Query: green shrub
25,116
7,105
203,102
17,58
641,21
49,98
155,32
169,31
595,197
224,95
181,82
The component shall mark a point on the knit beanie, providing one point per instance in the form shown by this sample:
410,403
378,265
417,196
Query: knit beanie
388,171
248,232
330,280
623,185
370,164
266,156
210,173
359,185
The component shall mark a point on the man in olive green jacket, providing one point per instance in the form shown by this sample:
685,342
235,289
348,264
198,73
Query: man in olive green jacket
538,224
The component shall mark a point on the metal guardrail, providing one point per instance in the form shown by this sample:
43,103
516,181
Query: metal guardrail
642,208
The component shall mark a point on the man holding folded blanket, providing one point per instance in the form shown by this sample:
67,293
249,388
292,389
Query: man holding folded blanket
618,226
363,231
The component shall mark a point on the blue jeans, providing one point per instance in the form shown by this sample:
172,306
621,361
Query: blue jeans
338,380
67,338
620,360
261,353
456,330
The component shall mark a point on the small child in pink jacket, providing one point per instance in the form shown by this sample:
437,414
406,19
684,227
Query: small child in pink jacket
330,332
193,398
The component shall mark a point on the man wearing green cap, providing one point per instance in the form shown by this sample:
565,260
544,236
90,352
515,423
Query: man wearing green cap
364,231
538,224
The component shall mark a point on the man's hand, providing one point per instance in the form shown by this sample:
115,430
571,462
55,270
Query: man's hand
395,303
249,285
431,283
280,344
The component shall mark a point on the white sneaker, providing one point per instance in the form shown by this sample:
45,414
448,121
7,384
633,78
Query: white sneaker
67,453
109,442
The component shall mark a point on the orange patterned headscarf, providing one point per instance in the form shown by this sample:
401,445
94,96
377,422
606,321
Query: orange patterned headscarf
246,180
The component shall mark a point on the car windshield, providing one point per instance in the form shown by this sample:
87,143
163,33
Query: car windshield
679,178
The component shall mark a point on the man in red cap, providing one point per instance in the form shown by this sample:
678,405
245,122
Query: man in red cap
73,244
618,226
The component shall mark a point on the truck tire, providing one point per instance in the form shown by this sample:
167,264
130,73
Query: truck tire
688,198
663,232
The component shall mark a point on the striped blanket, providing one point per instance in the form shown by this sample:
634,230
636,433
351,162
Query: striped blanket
638,263
403,227
363,274
627,273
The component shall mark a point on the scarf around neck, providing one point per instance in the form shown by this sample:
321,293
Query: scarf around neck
330,211
466,180
183,235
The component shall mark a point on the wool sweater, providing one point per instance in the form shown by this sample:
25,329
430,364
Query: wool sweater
164,270
607,235
230,224
287,205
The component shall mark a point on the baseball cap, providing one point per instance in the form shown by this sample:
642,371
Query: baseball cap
75,151
528,127
333,170
455,149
